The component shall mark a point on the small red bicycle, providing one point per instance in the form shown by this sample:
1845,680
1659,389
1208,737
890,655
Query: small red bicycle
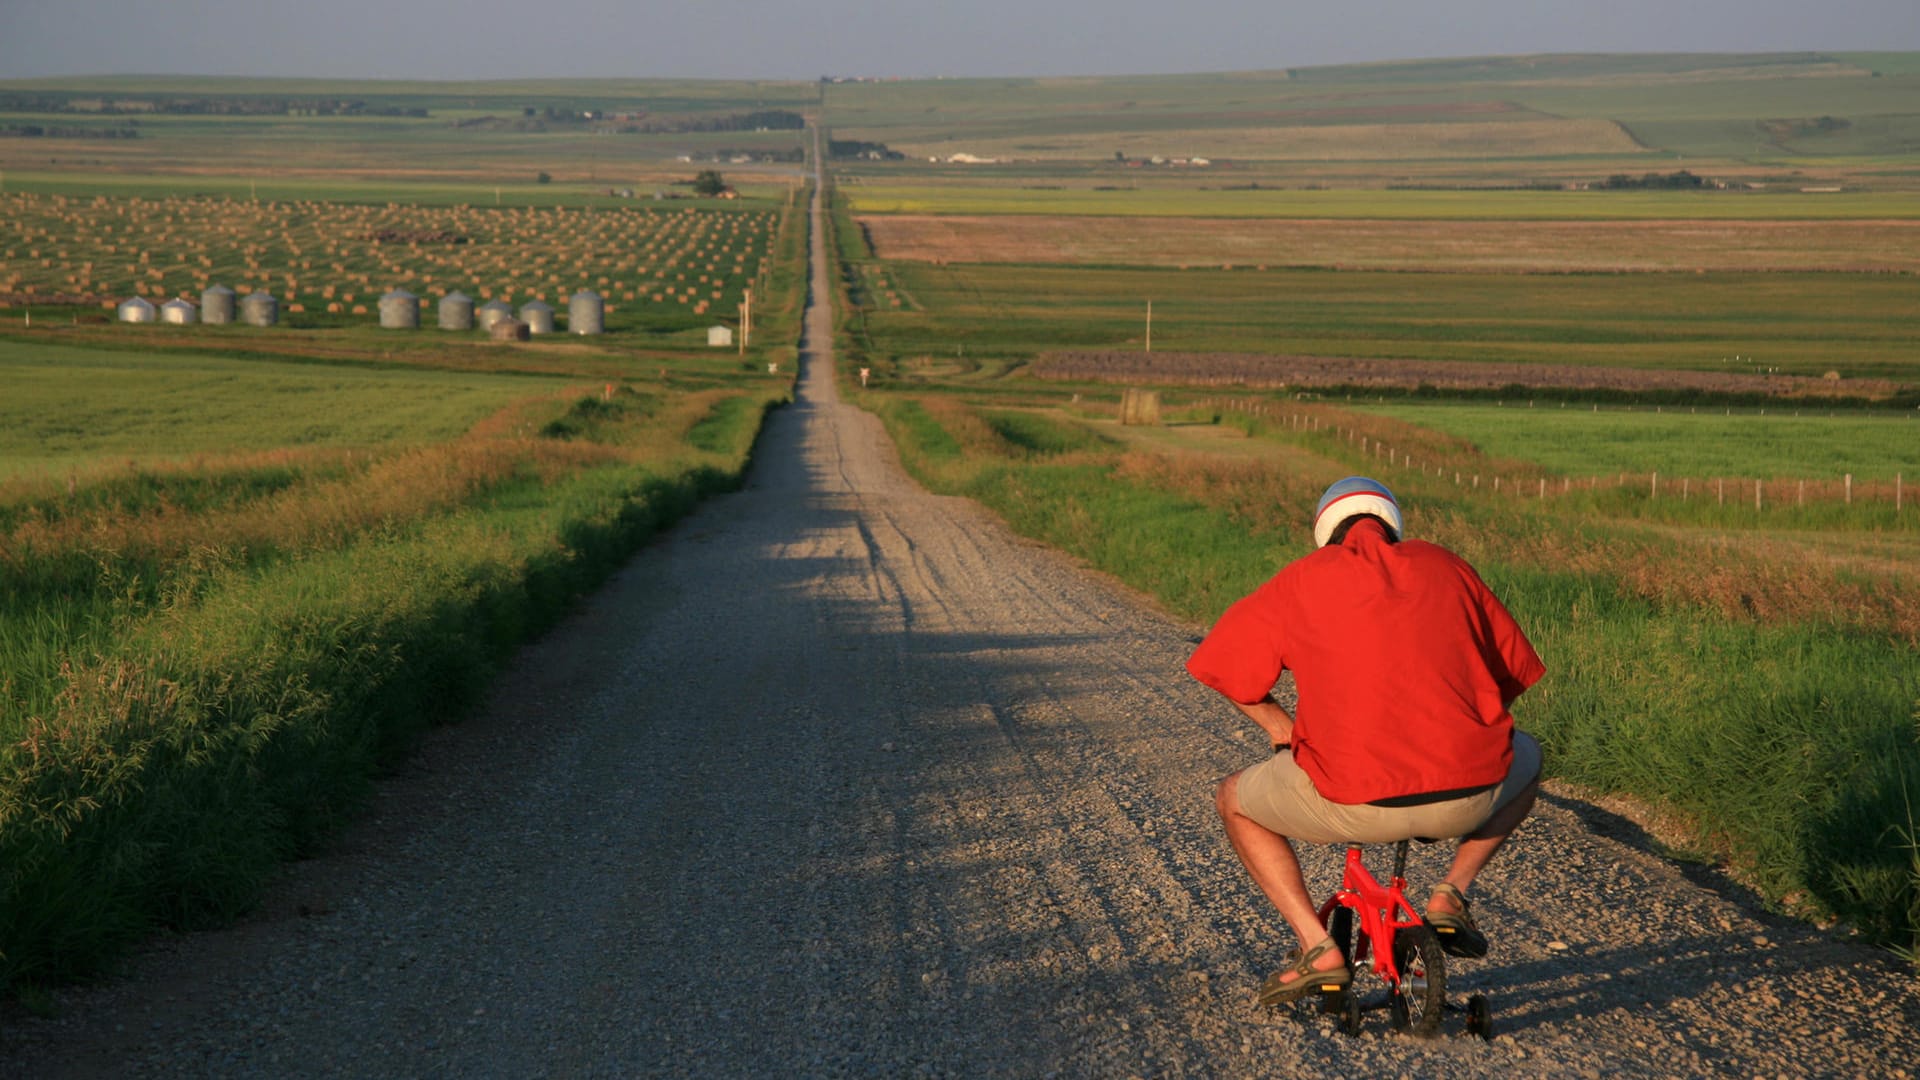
1406,954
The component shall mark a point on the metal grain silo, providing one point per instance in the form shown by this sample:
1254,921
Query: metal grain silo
400,310
538,316
216,305
587,313
456,311
492,312
259,309
136,309
179,310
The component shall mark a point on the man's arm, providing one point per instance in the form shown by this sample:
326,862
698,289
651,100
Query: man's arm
1274,720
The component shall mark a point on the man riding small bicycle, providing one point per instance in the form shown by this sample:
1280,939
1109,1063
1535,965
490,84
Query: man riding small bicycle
1404,664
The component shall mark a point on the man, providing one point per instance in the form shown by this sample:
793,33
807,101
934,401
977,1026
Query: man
1405,664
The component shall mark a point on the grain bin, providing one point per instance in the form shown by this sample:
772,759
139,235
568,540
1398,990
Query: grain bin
259,309
538,316
216,305
587,313
491,312
400,310
136,309
456,311
179,311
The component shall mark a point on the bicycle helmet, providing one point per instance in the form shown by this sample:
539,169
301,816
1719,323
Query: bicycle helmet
1346,498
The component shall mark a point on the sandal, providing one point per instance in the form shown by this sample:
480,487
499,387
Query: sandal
1275,991
1457,934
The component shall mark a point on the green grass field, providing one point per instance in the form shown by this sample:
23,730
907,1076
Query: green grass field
1783,442
72,407
1806,324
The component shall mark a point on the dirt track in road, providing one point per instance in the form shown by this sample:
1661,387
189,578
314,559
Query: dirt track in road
841,778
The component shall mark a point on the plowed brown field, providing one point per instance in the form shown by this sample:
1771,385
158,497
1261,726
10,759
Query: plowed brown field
1516,246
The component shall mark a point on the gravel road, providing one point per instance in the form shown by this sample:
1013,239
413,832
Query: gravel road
842,778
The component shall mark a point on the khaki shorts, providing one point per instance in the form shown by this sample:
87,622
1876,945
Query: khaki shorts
1279,796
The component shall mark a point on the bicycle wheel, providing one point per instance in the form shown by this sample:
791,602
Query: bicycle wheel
1419,998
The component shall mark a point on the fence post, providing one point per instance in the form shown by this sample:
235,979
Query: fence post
1896,493
1722,483
1849,489
1756,496
1543,487
1653,490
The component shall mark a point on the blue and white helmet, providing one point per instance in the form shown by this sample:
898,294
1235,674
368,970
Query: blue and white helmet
1346,498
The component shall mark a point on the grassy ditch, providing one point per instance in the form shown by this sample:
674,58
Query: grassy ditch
1783,732
201,694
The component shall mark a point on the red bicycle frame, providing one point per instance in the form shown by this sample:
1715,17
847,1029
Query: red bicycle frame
1383,910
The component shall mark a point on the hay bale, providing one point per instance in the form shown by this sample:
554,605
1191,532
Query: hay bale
1140,407
508,329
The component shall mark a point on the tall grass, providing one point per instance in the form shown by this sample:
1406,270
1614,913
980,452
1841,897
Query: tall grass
1782,733
232,714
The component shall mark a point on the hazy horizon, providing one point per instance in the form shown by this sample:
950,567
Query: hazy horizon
486,40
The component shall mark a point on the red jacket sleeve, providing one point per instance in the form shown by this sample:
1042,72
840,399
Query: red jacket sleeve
1242,656
1509,655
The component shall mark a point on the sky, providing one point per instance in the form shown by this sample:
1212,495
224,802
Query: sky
770,39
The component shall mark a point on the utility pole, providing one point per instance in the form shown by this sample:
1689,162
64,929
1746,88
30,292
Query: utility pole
1149,326
746,318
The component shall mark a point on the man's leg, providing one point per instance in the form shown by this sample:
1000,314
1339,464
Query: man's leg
1477,848
1269,859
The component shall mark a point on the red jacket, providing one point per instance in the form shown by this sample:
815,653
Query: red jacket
1404,660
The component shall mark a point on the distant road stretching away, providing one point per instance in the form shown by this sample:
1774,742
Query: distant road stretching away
841,778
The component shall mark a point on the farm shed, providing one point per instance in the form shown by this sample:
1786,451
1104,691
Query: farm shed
491,312
216,305
456,311
400,310
180,311
720,336
136,309
259,308
538,316
587,313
